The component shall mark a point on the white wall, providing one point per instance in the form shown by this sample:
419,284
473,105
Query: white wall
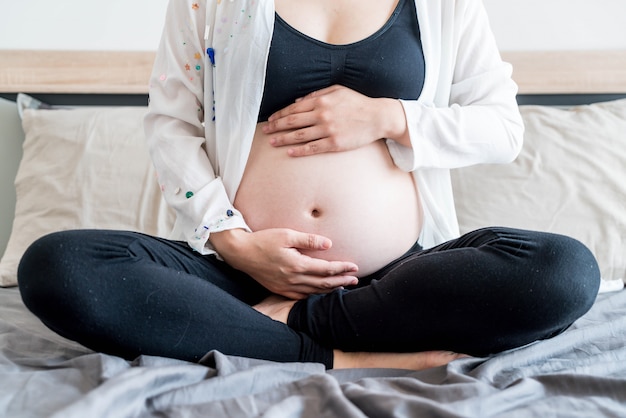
558,24
81,24
136,24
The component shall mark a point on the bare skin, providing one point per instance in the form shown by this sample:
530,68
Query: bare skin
331,120
291,262
278,307
408,361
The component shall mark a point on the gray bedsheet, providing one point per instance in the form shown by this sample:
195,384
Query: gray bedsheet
581,373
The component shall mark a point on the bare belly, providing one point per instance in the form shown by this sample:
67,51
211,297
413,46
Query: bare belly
359,199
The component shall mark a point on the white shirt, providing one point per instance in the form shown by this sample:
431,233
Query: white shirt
207,85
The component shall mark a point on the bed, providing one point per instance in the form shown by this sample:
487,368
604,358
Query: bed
83,163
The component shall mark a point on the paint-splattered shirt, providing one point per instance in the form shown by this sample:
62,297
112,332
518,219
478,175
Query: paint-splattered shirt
207,85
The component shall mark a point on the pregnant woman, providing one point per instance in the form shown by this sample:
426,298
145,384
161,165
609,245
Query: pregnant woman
306,147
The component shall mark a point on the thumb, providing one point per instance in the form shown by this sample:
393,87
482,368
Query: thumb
305,241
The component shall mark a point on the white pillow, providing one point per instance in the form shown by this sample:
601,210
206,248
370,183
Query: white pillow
570,178
83,168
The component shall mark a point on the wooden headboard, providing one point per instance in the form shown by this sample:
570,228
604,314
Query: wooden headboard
81,72
127,72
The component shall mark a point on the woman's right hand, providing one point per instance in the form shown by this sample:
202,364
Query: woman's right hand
274,258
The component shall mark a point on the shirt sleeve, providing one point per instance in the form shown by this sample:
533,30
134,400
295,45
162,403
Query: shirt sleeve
182,150
477,119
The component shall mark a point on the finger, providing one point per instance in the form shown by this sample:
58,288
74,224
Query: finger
307,241
311,148
329,284
320,92
292,109
300,136
329,269
320,285
309,286
289,123
318,266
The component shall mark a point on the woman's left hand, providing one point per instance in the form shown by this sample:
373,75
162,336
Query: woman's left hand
330,120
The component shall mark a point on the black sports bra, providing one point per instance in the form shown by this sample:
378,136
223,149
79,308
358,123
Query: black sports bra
389,63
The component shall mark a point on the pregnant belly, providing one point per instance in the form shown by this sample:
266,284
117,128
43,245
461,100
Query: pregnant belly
359,199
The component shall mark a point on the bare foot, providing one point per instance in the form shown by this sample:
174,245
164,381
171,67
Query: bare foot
276,307
409,361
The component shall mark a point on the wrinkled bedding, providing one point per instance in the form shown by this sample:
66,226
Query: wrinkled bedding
581,373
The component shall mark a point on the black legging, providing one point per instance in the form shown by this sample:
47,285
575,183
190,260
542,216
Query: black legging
128,294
